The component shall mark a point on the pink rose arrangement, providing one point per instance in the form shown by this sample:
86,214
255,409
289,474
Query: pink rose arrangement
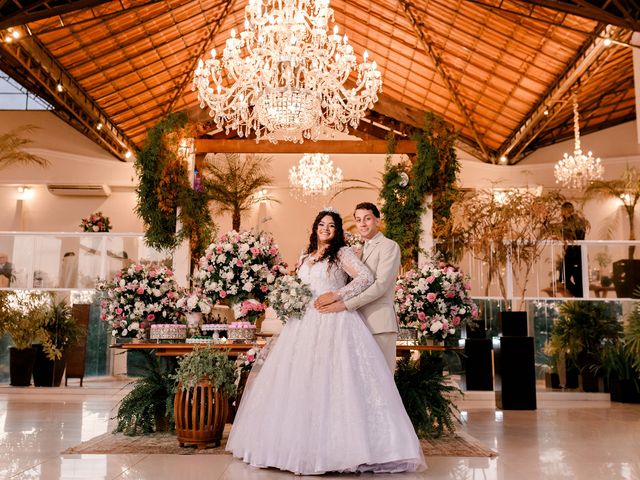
96,222
434,300
239,266
137,296
249,310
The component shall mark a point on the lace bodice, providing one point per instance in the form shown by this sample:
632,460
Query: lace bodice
323,278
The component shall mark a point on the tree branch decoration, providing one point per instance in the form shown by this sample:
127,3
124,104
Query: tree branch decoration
12,145
232,182
626,189
164,192
495,226
433,170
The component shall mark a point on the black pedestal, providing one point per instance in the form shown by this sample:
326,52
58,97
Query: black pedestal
512,324
478,371
515,373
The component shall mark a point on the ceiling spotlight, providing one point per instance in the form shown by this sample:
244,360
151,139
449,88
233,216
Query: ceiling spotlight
99,126
8,39
503,160
128,154
607,42
546,111
15,34
59,87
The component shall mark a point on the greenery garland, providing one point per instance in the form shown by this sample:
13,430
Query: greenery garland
433,170
164,192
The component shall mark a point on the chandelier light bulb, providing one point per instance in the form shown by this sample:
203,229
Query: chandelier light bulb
578,170
284,77
314,175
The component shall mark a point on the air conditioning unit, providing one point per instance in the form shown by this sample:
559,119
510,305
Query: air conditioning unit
80,190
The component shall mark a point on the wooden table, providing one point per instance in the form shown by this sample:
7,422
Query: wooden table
235,349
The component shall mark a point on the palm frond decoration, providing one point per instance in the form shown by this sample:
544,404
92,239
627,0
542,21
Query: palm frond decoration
12,146
232,181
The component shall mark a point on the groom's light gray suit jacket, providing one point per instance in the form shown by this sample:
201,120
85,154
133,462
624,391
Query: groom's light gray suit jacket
382,256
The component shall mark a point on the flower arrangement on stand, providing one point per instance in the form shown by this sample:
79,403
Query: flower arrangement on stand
239,266
249,310
289,297
193,304
138,296
434,300
96,222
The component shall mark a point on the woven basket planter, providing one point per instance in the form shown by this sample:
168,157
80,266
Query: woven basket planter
200,414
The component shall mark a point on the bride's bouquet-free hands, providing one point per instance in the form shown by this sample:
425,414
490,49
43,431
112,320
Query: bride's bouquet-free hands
289,297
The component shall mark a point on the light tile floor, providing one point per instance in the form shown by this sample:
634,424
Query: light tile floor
572,437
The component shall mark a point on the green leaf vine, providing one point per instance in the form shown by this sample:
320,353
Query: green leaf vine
433,170
164,193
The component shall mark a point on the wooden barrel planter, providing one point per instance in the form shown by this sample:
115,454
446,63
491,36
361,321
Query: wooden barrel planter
200,415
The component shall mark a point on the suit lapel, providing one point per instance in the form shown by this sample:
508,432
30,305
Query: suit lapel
373,243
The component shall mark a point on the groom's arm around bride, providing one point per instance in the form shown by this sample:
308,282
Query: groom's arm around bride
376,303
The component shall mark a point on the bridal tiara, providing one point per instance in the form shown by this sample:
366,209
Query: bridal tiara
329,209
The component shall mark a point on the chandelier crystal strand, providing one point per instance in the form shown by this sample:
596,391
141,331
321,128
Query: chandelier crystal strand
577,170
314,175
285,75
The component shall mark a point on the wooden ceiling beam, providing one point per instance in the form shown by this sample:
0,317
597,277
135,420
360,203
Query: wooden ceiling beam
26,16
594,11
30,63
205,46
435,57
584,64
321,146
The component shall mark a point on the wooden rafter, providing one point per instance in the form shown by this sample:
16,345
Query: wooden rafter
322,146
585,63
32,11
613,13
33,65
204,46
453,91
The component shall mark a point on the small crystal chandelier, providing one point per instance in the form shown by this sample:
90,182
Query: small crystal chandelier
285,75
577,170
315,175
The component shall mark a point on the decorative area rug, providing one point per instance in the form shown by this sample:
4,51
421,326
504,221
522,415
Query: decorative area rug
459,445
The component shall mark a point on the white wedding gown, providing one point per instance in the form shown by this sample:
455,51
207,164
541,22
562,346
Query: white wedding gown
324,399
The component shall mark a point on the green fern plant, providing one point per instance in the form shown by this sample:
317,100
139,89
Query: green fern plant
426,395
149,402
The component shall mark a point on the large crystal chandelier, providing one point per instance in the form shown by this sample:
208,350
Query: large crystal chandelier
314,175
577,170
285,74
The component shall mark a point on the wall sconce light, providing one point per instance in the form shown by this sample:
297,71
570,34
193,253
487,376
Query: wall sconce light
261,196
25,193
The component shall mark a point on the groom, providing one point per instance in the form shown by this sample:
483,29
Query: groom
382,256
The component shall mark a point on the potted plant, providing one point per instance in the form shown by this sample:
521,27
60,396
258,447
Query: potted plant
626,272
427,394
206,379
22,315
622,378
60,332
148,407
581,332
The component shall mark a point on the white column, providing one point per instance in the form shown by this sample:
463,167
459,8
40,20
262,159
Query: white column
182,254
635,40
426,231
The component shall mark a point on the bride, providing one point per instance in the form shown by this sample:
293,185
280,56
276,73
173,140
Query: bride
324,400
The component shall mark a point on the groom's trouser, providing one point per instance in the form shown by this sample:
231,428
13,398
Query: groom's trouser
387,343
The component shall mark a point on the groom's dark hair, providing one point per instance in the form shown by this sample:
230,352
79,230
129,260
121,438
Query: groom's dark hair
368,206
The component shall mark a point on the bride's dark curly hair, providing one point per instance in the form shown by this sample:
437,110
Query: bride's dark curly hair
336,243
